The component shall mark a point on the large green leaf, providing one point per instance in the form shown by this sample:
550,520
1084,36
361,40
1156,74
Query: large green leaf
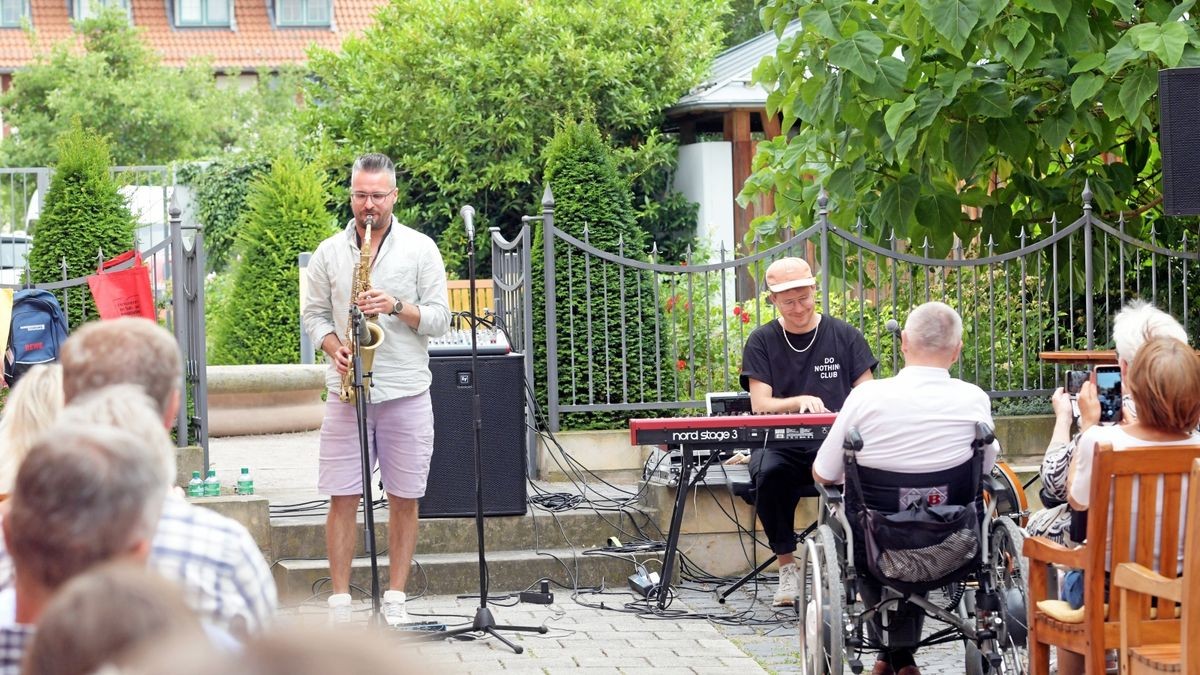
1054,129
966,145
1088,62
816,18
897,113
1119,54
858,54
1166,41
890,75
1139,85
1059,8
897,203
952,19
1085,87
991,100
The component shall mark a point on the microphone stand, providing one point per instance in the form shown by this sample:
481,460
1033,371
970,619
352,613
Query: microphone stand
360,408
484,621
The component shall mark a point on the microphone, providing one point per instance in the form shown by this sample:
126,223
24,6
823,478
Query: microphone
468,215
360,320
892,326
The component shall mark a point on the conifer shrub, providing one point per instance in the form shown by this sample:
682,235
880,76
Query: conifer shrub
83,215
620,363
285,214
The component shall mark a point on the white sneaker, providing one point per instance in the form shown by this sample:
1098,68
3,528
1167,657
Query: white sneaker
789,585
393,608
340,611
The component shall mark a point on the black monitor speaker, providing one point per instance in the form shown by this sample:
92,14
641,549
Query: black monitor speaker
450,492
1179,139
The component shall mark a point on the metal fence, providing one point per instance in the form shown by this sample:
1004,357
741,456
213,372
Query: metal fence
171,248
676,331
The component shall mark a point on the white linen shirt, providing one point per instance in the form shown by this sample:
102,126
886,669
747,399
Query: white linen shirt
409,267
920,421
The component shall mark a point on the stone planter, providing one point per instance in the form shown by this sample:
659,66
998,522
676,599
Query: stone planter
265,399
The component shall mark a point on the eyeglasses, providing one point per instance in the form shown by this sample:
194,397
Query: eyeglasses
361,197
795,300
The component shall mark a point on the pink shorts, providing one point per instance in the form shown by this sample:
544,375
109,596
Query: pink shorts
400,440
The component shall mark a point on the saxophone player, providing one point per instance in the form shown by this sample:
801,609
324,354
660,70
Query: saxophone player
406,296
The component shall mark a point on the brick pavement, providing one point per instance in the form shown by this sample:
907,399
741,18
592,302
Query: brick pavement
600,641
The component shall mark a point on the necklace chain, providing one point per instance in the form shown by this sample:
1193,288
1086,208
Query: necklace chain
810,342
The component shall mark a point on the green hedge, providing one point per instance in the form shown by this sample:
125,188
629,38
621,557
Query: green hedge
84,214
220,192
285,215
589,192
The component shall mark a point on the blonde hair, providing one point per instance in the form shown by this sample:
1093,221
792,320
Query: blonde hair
32,406
1164,381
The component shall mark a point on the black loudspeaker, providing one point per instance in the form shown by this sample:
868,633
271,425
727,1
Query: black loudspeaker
450,492
1179,139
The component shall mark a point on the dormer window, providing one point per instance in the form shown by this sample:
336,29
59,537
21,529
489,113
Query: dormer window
13,12
86,9
202,12
302,12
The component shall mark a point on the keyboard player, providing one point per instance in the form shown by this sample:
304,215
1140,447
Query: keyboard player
800,362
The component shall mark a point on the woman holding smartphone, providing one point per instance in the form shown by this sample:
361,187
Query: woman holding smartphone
1136,323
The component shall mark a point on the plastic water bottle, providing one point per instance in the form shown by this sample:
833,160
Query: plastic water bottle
245,483
195,487
212,485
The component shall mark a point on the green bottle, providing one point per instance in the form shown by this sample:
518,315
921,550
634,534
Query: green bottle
245,484
212,485
195,487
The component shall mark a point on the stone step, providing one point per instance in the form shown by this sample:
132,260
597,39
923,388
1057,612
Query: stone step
304,536
458,573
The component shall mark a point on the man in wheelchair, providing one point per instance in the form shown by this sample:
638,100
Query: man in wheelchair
917,447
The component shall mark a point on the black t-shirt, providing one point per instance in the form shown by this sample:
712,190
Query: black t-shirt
839,355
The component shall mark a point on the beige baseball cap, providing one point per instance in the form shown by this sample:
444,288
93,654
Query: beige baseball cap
788,273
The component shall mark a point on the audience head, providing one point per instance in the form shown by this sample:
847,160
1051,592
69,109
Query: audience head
103,613
124,351
1138,322
32,405
932,335
1164,381
125,407
82,497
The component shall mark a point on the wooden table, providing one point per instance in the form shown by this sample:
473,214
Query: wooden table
1093,357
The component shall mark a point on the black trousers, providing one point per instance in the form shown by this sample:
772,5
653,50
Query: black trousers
781,477
904,625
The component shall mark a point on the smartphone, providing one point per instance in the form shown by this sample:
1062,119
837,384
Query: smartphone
1108,389
1074,380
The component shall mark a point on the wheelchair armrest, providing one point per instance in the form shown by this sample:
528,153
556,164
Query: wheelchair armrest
989,484
832,494
984,435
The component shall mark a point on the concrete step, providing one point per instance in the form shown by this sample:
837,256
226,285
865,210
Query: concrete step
304,536
458,573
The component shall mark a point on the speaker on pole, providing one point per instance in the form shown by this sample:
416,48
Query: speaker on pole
450,492
1179,139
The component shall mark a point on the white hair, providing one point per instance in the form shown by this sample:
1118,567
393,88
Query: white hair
129,408
934,327
1140,321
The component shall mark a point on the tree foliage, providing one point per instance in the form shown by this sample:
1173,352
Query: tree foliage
285,215
590,196
220,189
907,110
85,214
151,114
464,95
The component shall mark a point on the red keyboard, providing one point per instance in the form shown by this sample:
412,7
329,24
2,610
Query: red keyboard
737,431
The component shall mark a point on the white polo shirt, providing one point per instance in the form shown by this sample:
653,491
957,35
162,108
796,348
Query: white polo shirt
919,421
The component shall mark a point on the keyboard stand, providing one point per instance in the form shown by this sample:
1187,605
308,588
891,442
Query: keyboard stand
686,482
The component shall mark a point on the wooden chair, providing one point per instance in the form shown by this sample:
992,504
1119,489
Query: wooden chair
1114,476
1138,584
459,291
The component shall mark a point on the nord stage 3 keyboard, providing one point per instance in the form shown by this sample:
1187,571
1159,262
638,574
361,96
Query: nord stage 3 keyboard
738,431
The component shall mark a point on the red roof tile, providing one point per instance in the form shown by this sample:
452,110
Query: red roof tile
253,44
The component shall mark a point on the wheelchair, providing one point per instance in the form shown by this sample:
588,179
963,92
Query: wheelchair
983,606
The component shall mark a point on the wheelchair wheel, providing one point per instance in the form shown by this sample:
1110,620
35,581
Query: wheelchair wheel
819,605
1010,575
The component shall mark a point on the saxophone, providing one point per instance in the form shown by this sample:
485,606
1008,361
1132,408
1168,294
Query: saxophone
361,283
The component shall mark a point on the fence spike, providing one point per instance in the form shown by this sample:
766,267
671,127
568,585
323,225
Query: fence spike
1087,195
1053,222
653,251
99,256
858,226
925,246
585,231
547,197
722,252
687,254
1121,220
991,244
822,199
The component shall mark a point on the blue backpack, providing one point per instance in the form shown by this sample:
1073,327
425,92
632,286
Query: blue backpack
38,331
